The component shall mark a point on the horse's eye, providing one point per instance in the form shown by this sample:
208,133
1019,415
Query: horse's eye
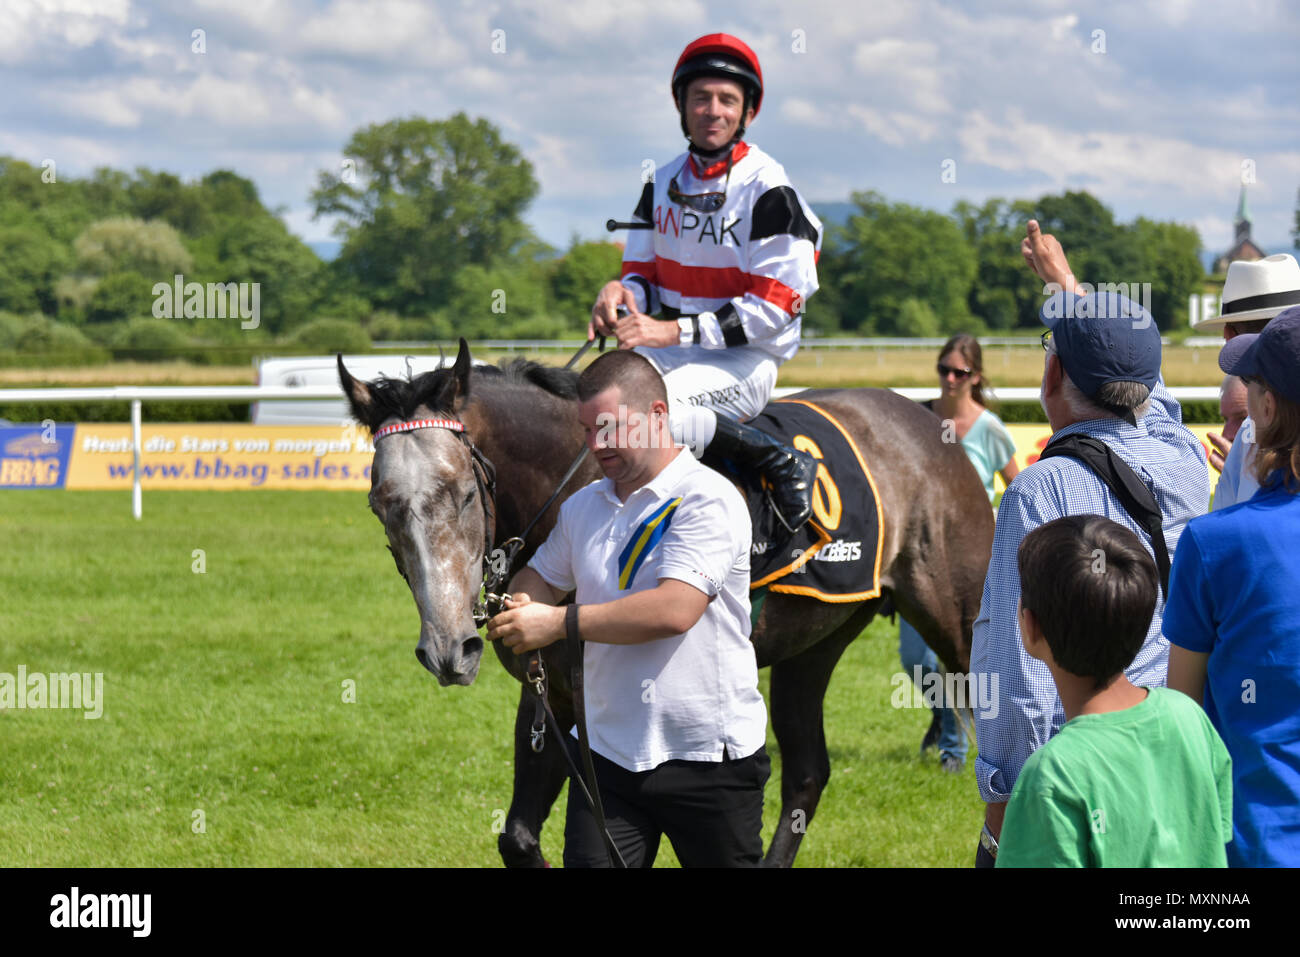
468,498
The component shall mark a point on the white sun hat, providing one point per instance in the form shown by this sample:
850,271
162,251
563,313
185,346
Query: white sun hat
1257,290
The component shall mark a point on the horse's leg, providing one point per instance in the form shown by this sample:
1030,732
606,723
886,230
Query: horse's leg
798,687
538,780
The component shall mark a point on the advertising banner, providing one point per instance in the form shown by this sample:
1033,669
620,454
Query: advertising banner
221,457
35,456
242,456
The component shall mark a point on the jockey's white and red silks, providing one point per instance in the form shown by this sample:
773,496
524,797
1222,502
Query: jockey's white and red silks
745,270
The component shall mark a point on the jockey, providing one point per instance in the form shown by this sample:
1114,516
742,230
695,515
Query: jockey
728,263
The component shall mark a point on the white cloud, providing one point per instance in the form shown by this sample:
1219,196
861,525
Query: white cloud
404,31
208,97
805,113
895,128
27,26
105,106
1115,162
1216,232
906,72
1062,27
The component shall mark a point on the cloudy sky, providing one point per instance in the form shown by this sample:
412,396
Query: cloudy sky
1152,106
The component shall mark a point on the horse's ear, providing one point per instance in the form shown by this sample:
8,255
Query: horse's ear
358,393
460,371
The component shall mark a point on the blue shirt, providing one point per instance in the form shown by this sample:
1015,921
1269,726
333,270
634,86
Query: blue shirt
1171,462
1234,594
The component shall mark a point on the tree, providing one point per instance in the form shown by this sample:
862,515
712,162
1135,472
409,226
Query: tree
30,263
577,278
1005,294
1168,259
1100,250
131,245
423,200
260,249
120,295
893,253
163,196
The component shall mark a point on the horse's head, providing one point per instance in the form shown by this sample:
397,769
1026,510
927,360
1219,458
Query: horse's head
427,491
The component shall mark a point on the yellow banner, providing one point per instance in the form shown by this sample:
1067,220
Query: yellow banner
221,457
290,456
1030,440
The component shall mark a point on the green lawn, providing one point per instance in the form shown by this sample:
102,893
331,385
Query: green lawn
223,694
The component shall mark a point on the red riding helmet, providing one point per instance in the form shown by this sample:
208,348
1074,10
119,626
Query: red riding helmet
721,55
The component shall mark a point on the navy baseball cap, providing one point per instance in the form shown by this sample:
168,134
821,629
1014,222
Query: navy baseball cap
1272,355
1101,338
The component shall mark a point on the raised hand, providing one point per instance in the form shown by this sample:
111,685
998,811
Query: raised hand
1044,255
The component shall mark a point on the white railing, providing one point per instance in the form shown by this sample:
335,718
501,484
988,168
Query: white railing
138,395
807,342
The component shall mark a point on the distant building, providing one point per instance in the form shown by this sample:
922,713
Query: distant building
1243,247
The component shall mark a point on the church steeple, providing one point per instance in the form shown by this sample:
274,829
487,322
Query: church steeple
1243,247
1242,222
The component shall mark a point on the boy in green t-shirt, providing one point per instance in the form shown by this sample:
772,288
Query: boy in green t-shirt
1137,777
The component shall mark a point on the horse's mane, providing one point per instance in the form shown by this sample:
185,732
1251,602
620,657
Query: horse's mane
400,397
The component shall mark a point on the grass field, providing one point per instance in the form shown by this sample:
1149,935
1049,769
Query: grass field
223,694
811,368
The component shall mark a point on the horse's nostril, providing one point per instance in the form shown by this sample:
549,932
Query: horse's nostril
471,647
424,658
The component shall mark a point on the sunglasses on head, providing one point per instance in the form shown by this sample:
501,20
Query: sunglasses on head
944,371
701,202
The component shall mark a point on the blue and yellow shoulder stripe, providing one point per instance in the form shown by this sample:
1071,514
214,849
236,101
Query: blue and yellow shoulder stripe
644,539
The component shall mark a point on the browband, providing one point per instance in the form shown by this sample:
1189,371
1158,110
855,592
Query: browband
414,424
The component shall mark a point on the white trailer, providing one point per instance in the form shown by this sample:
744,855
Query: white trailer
322,372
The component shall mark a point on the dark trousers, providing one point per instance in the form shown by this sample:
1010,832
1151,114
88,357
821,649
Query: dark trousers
711,811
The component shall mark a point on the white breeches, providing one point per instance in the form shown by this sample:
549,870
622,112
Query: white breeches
735,382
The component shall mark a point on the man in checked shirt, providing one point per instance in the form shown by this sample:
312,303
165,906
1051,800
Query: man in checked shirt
1101,378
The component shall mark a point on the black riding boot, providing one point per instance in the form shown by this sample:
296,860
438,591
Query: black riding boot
790,473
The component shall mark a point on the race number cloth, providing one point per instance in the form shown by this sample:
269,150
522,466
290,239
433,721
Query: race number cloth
835,556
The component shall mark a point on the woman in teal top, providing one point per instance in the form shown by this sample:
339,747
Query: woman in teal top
990,448
961,401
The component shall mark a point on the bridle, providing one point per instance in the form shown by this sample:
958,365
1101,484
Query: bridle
496,564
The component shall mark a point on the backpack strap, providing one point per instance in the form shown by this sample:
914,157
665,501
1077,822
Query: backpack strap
1119,477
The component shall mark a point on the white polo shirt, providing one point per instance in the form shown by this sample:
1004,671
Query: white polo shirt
681,698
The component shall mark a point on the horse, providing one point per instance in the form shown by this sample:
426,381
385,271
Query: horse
430,491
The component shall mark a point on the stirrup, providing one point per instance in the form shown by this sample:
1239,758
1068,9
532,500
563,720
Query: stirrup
771,504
